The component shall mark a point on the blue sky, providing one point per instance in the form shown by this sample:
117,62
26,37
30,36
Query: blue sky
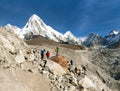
78,16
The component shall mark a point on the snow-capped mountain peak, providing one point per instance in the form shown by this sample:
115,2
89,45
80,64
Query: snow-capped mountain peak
15,29
37,19
34,16
112,36
71,38
36,26
113,32
69,34
8,25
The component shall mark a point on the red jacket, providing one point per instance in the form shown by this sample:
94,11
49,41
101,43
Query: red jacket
48,54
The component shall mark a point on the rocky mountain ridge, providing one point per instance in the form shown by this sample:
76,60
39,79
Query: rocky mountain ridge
112,40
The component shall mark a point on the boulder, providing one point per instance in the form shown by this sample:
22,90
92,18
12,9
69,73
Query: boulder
56,68
28,51
20,58
86,82
32,57
61,60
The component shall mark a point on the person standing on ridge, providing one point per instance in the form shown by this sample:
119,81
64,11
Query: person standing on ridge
42,54
48,54
57,50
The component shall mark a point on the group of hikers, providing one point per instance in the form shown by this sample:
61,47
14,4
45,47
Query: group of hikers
48,53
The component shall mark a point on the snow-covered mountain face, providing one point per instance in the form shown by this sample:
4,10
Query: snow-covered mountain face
72,39
36,26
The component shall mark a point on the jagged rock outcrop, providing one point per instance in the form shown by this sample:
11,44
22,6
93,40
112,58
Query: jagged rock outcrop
95,40
113,39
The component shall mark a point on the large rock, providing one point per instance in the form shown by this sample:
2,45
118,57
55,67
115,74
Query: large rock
20,58
61,60
86,82
56,68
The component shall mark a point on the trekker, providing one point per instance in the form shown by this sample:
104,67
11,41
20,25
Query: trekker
42,54
71,62
57,50
48,54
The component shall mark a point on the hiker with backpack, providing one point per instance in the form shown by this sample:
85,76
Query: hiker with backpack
57,50
48,54
42,54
